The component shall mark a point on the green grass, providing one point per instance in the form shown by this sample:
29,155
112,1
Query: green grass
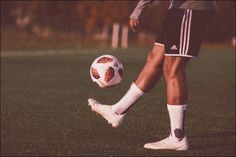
44,106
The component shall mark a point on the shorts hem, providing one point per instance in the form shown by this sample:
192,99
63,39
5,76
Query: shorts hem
179,55
159,44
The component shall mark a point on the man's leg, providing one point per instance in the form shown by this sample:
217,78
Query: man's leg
177,94
152,70
147,78
175,76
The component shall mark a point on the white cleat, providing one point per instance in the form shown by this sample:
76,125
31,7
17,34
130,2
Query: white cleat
106,112
169,143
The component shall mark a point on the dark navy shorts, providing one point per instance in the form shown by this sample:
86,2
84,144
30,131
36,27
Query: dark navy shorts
183,32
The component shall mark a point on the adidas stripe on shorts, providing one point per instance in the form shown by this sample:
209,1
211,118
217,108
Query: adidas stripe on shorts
183,32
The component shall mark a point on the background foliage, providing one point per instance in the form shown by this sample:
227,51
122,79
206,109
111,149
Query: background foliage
89,17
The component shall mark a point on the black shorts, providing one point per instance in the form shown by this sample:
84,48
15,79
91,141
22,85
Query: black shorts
183,32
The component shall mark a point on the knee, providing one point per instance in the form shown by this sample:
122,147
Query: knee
168,71
172,73
154,59
150,56
174,68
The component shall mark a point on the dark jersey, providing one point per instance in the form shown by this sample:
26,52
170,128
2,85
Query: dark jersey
176,4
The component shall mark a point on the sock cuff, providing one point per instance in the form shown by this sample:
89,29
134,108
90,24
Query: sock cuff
176,107
134,87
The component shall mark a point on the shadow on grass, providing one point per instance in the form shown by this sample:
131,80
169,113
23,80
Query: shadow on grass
206,140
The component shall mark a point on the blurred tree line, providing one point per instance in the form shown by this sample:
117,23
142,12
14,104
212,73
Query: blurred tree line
88,17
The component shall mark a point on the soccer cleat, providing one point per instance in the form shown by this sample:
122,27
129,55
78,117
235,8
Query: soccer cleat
106,112
169,143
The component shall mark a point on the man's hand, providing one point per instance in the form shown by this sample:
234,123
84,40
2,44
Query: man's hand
133,23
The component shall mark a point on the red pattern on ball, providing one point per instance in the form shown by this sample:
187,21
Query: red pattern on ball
109,74
95,73
105,60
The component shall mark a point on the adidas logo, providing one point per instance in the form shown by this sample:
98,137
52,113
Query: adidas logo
174,47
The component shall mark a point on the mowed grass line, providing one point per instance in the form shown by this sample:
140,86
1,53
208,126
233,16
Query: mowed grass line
44,106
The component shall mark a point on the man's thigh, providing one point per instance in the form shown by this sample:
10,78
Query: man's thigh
173,64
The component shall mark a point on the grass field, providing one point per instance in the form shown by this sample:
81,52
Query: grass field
44,105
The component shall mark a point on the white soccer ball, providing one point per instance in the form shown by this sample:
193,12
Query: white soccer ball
106,71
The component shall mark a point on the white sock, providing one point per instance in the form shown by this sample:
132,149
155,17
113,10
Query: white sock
132,96
177,116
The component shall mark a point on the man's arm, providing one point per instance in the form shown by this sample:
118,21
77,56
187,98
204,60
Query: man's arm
139,8
134,17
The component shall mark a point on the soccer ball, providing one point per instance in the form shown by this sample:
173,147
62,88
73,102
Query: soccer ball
106,71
